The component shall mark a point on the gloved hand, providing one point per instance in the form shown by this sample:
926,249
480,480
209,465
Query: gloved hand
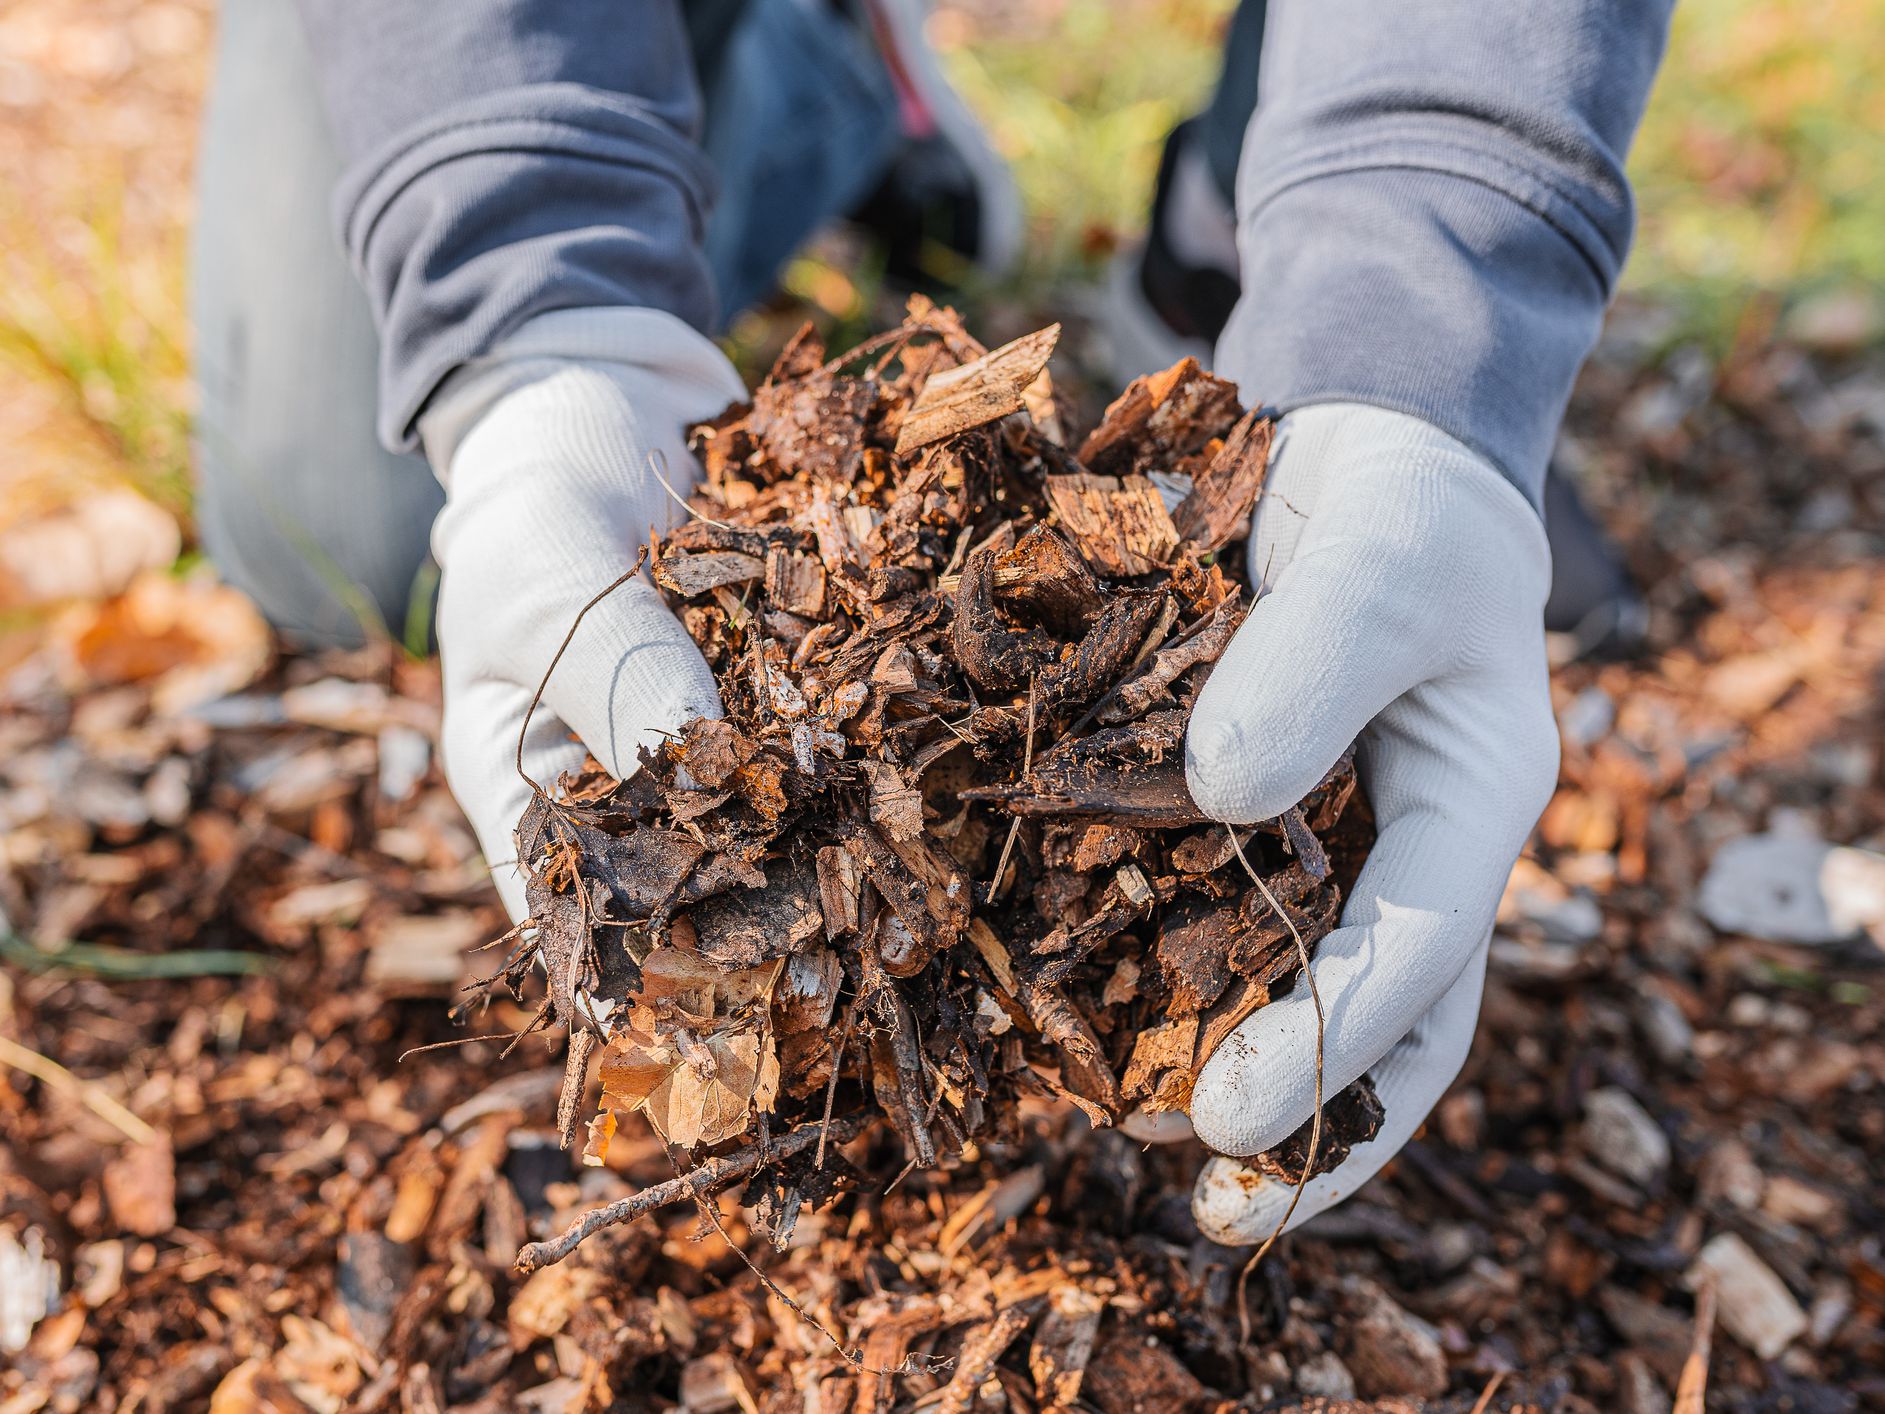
544,447
1403,582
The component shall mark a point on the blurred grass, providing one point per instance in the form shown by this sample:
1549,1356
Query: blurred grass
1078,97
1760,169
1760,174
105,325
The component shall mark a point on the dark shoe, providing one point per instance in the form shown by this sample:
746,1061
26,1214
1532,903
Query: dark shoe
1593,609
1160,308
948,206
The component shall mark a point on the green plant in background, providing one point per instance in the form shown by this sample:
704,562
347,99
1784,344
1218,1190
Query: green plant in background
1079,98
1760,169
105,323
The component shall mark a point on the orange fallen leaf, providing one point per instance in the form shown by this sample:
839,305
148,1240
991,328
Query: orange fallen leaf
191,639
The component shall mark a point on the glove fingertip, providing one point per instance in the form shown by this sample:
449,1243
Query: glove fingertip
1222,1199
1236,1206
1230,1110
1233,767
1214,756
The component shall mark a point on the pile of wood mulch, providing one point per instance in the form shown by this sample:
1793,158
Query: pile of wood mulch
938,857
223,1188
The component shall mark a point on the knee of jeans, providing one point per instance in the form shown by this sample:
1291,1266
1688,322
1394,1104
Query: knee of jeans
326,572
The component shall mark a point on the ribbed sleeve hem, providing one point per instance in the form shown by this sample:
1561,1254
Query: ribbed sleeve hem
552,197
1446,290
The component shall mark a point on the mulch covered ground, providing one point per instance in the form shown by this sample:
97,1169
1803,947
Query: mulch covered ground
224,1188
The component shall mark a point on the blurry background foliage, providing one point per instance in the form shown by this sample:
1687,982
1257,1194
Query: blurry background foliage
1760,175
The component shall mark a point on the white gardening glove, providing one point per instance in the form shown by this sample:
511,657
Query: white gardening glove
1403,582
544,447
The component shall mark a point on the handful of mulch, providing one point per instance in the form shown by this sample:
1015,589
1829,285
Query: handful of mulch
939,856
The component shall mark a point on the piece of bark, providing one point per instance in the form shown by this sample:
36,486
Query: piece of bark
693,575
932,905
1140,1376
840,882
1304,844
582,1044
1060,1023
812,424
1147,687
897,1069
1193,954
1107,650
795,583
998,657
1224,495
896,807
981,1348
1388,1351
1159,1075
1118,524
1063,1345
1160,418
976,393
1149,795
1044,577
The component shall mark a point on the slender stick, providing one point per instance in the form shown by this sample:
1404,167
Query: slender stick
1315,1123
536,698
658,465
709,1177
1484,1402
1692,1390
831,1088
1027,769
575,1078
92,1096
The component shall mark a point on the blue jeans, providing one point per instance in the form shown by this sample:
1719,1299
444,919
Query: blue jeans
298,503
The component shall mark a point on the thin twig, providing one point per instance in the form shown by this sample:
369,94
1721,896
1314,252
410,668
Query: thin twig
1692,1389
853,1358
831,1088
1315,1123
657,464
1484,1402
575,1077
412,1051
536,698
92,1096
901,336
1027,769
709,1177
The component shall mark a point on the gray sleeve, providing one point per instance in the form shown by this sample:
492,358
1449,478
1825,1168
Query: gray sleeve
1433,211
504,158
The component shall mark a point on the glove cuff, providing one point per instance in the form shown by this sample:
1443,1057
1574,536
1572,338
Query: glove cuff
669,371
1323,444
